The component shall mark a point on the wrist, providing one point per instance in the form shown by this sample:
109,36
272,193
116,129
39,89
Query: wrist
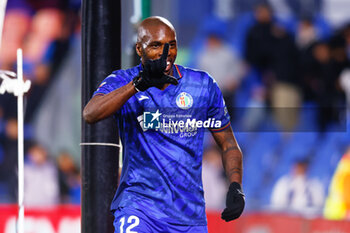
132,88
135,88
139,84
236,186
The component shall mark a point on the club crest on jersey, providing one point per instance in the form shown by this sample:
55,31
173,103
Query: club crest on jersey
184,100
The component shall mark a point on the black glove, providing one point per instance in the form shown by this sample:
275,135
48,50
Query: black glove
235,202
153,75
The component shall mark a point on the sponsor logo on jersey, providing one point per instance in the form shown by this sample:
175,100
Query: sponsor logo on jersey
151,120
184,125
184,100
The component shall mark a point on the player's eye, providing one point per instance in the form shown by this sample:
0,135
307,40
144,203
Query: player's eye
155,46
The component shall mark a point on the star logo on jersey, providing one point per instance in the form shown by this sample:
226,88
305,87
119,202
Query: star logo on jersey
184,100
151,120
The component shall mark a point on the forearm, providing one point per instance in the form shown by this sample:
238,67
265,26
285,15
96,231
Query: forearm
232,162
231,154
101,107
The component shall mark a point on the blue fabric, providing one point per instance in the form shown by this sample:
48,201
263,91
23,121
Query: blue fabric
137,221
162,167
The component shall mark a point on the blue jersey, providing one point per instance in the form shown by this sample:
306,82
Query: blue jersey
162,134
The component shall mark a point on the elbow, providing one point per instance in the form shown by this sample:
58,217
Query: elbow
88,116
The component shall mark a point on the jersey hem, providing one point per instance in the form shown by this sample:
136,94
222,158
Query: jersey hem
98,94
200,223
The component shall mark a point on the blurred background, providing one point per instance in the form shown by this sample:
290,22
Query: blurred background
282,65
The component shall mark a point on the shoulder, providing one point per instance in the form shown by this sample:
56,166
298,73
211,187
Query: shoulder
195,74
117,79
121,76
124,74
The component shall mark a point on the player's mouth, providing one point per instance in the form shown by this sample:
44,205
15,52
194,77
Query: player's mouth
169,64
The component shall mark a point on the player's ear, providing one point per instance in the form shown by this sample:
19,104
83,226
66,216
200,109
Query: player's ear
139,50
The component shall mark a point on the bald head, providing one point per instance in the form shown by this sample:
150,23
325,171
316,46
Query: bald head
149,25
152,35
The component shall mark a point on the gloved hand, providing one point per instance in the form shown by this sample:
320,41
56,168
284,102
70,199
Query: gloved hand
153,75
235,202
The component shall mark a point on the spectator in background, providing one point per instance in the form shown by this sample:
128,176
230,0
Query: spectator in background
221,62
319,77
59,110
214,180
69,179
259,40
43,29
16,25
8,167
41,187
272,51
306,40
46,26
37,54
306,33
13,36
298,193
337,205
322,80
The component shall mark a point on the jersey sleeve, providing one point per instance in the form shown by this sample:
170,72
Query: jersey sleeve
109,84
217,108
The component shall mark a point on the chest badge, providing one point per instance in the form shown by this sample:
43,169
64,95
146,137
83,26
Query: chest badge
184,100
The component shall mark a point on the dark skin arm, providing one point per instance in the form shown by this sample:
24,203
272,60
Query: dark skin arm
103,106
231,154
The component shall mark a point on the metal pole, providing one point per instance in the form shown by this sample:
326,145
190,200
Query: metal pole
101,54
18,87
20,223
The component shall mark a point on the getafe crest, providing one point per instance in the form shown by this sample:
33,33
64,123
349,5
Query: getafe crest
184,100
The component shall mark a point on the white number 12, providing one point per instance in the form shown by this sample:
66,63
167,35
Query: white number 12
132,219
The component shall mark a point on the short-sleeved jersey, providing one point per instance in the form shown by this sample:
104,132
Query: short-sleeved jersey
162,134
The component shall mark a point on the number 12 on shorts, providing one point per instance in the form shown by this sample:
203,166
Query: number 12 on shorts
133,221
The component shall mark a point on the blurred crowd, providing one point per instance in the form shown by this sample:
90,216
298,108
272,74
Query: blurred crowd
48,31
282,66
287,66
285,81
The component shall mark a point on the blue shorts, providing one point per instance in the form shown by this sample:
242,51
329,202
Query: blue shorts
128,220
